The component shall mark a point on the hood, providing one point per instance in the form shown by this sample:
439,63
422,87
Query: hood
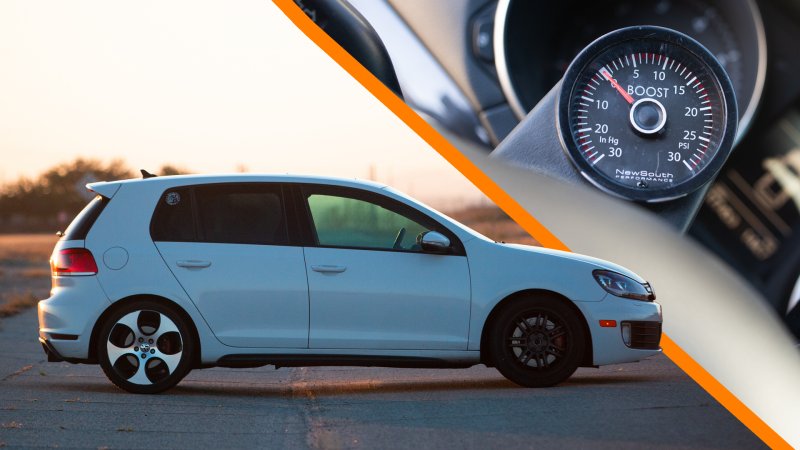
596,262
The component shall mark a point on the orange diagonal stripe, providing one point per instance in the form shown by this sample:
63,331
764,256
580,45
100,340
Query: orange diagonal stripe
721,394
420,126
512,208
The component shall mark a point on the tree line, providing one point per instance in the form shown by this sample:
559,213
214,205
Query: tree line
48,202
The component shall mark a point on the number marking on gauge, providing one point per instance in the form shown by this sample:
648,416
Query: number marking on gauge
616,86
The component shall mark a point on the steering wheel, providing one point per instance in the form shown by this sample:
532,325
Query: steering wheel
400,235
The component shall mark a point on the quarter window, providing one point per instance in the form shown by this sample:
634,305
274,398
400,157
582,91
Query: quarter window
349,222
172,220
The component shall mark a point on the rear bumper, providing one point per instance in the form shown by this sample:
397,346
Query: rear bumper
54,356
68,316
52,353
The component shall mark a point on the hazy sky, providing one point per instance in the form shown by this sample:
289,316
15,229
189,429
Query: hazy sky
207,85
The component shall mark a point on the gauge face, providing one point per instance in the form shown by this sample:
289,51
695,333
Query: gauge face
731,29
647,114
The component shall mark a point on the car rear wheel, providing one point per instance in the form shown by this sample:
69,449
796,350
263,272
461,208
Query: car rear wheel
146,347
537,342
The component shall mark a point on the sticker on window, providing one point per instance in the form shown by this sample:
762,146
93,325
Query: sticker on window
173,198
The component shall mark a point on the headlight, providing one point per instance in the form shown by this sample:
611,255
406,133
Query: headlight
617,284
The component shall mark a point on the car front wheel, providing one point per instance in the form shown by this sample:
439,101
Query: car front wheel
145,347
537,342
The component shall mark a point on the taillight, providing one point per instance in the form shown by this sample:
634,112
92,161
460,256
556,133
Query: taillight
73,261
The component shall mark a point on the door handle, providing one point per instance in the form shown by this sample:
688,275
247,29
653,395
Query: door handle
328,269
194,264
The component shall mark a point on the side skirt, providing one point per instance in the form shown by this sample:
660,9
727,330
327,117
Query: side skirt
289,360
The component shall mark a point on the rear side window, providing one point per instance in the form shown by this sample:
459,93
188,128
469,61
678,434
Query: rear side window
173,219
241,214
83,222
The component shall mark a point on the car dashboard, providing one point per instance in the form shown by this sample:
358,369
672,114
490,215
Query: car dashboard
476,67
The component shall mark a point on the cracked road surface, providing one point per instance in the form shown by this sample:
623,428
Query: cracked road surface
651,404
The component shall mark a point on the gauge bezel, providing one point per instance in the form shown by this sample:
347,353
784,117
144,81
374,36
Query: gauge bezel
742,13
650,33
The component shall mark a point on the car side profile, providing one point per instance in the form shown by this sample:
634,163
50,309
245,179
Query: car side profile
162,275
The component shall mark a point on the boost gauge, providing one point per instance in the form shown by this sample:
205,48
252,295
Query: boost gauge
647,114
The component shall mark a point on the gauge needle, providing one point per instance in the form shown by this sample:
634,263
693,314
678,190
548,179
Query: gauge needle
616,85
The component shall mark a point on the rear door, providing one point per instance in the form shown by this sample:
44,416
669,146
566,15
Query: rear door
230,248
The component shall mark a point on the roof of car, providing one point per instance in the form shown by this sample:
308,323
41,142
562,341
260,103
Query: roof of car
108,188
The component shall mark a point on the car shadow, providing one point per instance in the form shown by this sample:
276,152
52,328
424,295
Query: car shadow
318,388
321,387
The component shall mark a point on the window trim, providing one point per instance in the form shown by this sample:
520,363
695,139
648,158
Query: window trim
305,190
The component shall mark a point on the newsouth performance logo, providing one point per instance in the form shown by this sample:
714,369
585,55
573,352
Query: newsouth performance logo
644,175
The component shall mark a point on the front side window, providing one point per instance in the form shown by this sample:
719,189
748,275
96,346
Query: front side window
349,222
241,214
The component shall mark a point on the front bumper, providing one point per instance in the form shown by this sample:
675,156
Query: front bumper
608,346
67,317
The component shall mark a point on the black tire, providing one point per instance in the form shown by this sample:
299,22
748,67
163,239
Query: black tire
537,341
161,341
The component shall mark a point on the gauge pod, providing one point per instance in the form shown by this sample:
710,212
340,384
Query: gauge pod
647,113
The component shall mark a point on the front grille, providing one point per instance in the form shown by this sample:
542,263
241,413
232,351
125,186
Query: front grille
645,335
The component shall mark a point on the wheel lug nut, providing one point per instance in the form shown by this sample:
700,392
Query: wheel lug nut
136,349
152,351
150,341
144,355
141,339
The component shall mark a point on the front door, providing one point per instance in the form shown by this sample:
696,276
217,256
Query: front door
370,284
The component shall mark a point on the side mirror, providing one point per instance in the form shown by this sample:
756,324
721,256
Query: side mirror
434,242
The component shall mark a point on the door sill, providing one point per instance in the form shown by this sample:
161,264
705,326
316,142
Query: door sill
289,360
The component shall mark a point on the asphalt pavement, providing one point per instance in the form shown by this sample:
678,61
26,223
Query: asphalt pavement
651,404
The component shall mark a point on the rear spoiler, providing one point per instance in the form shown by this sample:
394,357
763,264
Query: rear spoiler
105,188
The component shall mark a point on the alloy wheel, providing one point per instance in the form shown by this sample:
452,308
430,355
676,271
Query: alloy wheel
538,341
144,347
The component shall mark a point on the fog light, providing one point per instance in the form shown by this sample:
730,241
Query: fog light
626,333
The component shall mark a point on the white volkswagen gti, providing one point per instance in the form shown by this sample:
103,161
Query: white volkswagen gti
162,275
